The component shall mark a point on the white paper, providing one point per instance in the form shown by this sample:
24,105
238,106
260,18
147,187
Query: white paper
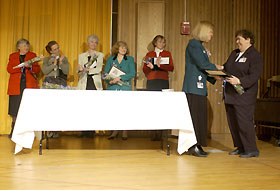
163,60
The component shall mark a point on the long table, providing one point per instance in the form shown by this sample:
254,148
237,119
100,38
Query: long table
78,110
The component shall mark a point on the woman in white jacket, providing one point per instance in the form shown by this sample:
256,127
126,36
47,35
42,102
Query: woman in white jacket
89,71
90,66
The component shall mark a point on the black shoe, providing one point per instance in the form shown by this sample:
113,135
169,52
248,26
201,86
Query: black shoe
202,151
237,151
194,150
250,154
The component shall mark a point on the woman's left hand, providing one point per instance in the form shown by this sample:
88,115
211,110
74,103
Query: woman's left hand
61,58
158,61
233,80
116,80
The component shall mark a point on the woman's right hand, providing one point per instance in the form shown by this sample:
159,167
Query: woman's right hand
219,67
80,68
150,65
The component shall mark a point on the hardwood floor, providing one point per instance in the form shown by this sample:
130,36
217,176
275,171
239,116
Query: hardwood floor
135,164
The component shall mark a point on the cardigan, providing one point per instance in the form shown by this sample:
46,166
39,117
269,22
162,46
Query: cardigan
163,72
15,74
48,67
95,71
127,65
248,69
197,61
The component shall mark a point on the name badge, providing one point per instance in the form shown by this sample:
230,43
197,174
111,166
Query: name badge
243,59
199,85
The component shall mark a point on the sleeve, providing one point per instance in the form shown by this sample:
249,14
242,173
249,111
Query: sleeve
12,63
35,66
233,53
197,55
255,70
46,67
170,66
146,69
99,65
64,66
131,74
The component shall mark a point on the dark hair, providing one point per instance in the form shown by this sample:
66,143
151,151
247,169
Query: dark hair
50,44
156,39
246,34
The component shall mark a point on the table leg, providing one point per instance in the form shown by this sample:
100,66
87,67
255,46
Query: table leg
40,146
47,140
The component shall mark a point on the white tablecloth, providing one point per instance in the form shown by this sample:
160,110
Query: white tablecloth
77,110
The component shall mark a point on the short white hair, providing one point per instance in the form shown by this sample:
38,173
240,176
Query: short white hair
91,37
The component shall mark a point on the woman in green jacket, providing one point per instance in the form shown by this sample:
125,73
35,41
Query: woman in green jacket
195,87
124,63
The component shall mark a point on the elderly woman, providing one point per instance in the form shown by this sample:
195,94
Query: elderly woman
157,74
121,61
89,71
20,78
56,66
245,64
195,86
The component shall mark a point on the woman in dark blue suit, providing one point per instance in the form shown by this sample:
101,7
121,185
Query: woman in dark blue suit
195,87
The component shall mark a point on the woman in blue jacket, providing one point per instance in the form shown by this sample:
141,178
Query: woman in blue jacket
120,60
195,87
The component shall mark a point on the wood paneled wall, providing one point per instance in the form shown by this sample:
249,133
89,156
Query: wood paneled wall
270,45
228,16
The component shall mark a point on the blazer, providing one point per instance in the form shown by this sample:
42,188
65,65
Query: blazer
127,65
197,61
83,59
15,74
159,74
48,67
248,69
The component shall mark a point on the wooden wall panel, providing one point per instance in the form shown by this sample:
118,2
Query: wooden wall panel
147,29
228,16
269,47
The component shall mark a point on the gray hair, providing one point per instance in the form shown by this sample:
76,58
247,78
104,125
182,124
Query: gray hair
22,41
91,37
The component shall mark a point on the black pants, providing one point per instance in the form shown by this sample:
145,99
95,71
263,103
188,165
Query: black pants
241,125
90,83
198,110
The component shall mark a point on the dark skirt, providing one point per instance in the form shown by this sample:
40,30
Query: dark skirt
14,100
198,110
157,84
56,80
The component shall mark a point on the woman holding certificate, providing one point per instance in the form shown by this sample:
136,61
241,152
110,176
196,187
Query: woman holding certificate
119,71
21,77
157,64
245,65
195,87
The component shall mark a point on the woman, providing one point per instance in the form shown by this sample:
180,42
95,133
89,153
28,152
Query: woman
20,78
245,64
89,71
121,61
157,74
55,68
195,87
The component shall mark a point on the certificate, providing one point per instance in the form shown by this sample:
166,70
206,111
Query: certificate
163,60
116,72
218,73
